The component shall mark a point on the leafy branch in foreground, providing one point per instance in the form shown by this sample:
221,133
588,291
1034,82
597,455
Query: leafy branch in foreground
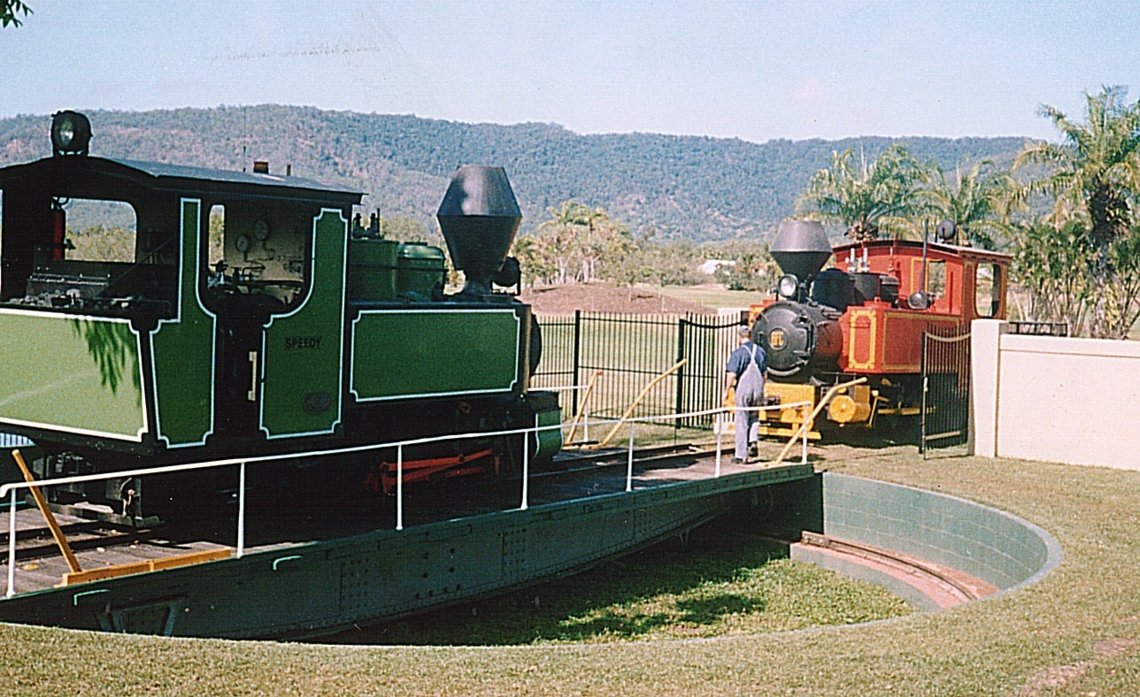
9,9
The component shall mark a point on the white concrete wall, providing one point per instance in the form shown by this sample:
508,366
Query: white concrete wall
1055,399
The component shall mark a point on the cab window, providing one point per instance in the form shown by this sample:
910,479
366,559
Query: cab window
102,231
936,278
256,249
987,290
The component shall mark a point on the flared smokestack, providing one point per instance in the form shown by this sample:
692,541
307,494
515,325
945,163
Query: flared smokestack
801,248
479,217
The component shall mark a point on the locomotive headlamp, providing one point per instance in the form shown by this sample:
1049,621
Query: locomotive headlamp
788,286
70,133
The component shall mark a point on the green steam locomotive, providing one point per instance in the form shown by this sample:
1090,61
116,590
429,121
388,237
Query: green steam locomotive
236,314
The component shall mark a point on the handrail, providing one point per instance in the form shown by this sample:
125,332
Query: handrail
584,409
10,489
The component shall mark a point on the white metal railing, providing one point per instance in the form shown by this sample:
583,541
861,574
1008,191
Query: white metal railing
11,489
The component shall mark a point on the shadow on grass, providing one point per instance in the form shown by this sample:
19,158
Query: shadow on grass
679,589
689,615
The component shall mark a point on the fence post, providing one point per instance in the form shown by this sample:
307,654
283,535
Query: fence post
719,438
804,451
577,355
526,465
241,511
629,467
925,389
681,335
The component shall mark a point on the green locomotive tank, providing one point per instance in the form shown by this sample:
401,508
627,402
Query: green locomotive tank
419,270
372,269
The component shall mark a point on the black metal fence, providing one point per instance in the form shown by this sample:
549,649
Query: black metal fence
631,351
1039,328
945,391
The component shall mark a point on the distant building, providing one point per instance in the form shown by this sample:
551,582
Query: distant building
713,265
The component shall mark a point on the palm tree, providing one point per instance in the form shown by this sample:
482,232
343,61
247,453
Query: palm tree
578,237
1051,262
874,198
1094,170
975,202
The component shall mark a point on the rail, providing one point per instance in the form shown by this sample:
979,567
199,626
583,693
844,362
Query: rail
10,490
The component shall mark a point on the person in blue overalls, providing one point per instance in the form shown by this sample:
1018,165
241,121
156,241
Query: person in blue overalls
746,371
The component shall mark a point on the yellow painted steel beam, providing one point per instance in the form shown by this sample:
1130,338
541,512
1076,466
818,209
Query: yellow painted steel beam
138,567
637,400
582,406
41,503
811,419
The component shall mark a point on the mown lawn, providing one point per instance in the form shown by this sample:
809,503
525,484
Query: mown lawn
1077,632
714,297
722,581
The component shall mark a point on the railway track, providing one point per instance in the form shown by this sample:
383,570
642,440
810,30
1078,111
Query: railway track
34,540
592,459
944,586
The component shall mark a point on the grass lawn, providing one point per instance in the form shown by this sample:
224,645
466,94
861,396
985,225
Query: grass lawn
1077,632
714,297
725,581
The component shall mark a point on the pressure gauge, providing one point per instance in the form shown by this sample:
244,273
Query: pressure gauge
261,230
242,243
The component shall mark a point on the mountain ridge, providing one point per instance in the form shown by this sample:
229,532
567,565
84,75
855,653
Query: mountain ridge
683,187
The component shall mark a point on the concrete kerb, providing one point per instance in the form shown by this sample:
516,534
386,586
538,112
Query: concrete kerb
997,547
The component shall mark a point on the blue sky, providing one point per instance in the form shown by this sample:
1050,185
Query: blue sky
753,70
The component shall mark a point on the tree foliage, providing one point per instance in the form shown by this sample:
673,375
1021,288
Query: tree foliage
574,244
579,244
1052,264
10,11
753,267
1093,177
873,198
977,201
684,187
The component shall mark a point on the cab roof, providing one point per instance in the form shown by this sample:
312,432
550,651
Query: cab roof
915,247
182,179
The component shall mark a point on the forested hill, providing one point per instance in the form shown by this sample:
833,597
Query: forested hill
683,186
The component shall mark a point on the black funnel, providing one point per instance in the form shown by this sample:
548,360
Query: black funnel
800,248
479,217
